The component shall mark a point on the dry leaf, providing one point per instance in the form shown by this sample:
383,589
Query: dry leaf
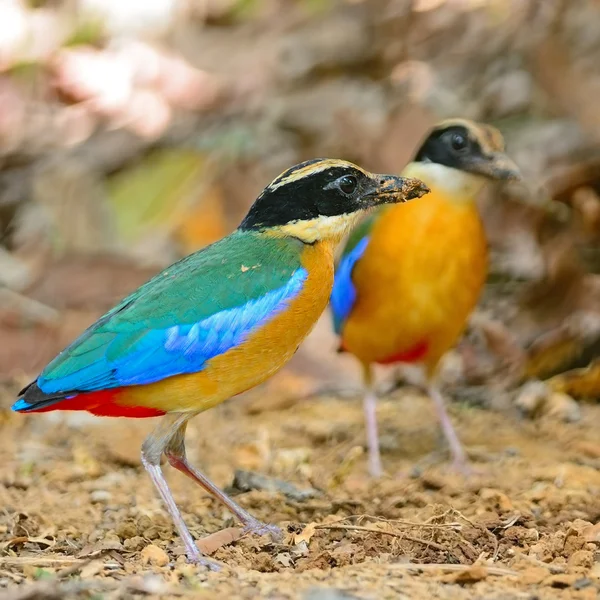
211,543
284,559
101,547
305,535
28,540
579,383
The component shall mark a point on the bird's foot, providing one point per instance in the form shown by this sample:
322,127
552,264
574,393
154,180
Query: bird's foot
430,460
196,557
438,458
464,467
256,527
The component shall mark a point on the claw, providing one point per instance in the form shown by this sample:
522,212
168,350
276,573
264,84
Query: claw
466,469
197,558
258,528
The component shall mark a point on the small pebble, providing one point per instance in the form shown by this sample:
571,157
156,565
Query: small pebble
581,558
583,583
100,496
135,543
126,530
592,533
153,555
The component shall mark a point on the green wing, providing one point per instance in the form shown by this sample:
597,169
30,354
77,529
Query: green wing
194,310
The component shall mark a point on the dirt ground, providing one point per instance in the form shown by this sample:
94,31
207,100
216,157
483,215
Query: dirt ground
79,516
119,155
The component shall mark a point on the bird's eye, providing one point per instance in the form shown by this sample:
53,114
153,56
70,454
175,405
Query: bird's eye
459,142
348,184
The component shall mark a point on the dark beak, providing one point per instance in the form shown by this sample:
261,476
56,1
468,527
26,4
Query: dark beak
389,189
496,166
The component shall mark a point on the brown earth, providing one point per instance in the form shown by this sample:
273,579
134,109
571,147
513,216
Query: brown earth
80,518
359,80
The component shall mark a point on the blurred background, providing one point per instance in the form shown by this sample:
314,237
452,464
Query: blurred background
133,132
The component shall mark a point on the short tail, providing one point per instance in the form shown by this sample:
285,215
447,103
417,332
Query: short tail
32,399
102,403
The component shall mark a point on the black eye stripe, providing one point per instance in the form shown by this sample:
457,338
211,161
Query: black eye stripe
440,148
325,192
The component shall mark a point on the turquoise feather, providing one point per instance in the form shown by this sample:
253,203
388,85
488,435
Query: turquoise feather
196,309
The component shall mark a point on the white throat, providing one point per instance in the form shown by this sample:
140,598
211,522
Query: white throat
459,185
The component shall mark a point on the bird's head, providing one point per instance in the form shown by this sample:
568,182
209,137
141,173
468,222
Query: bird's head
322,199
472,148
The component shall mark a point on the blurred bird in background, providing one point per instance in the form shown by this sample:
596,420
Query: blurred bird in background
409,277
218,322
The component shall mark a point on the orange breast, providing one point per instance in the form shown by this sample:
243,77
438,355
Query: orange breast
248,365
418,281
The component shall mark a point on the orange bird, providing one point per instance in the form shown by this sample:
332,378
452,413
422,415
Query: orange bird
410,276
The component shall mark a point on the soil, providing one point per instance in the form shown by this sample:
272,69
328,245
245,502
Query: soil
80,517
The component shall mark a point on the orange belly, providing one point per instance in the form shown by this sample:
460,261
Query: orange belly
418,281
251,363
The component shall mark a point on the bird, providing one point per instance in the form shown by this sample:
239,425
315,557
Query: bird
409,276
218,322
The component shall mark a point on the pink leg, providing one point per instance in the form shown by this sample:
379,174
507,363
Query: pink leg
459,457
152,450
250,523
370,410
175,453
191,550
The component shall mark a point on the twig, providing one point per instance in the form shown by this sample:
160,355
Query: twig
485,530
444,567
401,522
415,524
20,561
403,536
66,572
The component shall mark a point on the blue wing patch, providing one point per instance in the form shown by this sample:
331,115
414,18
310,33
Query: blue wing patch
151,355
343,295
20,405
